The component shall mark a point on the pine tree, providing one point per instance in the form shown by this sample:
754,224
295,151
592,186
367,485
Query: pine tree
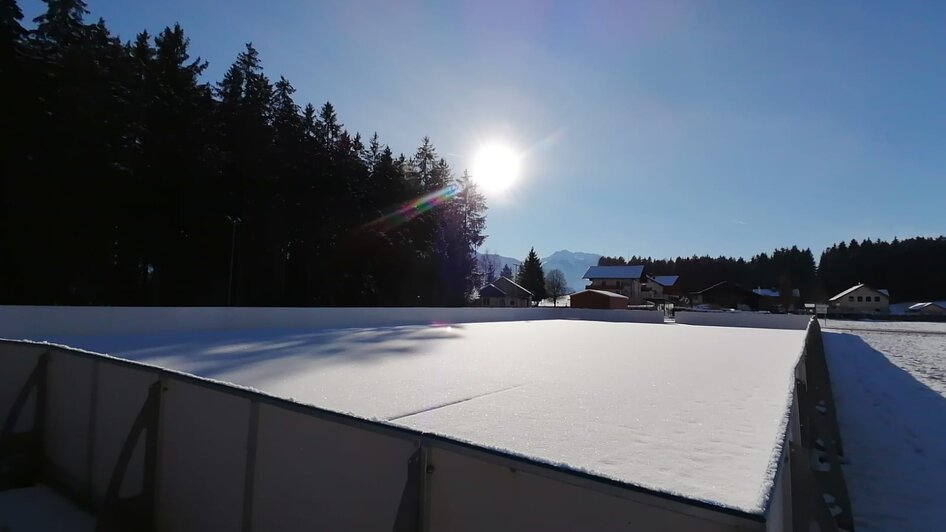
179,161
330,129
531,276
12,32
463,222
62,22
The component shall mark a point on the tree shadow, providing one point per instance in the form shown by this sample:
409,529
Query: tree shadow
894,432
214,354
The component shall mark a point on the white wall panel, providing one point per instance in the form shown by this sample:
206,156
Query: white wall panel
468,494
68,415
201,458
17,362
313,474
744,319
779,516
121,392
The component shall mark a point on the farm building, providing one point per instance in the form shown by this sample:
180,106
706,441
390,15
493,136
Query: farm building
772,299
726,295
504,292
861,299
931,308
411,419
598,299
624,280
661,288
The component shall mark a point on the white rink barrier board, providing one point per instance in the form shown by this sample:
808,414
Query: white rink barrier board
202,455
18,322
798,322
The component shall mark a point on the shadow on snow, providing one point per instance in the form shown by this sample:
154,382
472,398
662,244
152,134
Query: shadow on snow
894,432
213,354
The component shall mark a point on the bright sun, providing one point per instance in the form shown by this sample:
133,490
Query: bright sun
495,167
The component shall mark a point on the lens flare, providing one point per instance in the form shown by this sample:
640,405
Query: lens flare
413,208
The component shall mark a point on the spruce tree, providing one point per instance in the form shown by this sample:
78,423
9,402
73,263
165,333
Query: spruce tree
531,276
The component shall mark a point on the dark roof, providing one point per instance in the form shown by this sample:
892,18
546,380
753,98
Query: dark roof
774,292
664,280
721,284
614,272
491,290
505,287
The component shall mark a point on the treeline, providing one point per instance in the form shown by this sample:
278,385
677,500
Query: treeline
912,269
127,179
786,266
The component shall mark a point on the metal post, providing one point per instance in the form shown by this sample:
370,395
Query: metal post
234,220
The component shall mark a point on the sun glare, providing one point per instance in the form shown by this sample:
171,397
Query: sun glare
496,167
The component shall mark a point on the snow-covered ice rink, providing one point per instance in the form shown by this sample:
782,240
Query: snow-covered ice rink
889,381
689,410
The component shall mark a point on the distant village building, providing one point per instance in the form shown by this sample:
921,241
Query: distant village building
861,299
660,289
932,308
623,280
773,300
726,295
601,299
504,292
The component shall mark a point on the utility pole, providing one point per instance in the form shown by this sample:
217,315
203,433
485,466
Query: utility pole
234,220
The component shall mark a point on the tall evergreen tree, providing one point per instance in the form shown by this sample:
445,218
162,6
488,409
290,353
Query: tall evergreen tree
153,184
463,221
532,277
12,32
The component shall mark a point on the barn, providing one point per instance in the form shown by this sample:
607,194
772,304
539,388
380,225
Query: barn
598,299
933,308
726,295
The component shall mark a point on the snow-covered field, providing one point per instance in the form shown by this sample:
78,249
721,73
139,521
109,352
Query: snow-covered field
880,326
889,381
689,410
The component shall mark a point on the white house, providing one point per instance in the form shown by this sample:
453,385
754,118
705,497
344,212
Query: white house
861,299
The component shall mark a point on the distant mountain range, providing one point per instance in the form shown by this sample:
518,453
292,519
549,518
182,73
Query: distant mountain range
573,264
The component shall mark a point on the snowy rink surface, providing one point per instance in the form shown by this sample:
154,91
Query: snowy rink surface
889,382
688,410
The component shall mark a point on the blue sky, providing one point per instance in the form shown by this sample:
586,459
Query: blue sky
649,128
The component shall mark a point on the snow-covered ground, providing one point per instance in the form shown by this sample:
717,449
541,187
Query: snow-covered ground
893,326
889,381
39,508
689,410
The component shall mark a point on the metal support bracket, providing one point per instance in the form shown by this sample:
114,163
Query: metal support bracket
410,513
136,512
